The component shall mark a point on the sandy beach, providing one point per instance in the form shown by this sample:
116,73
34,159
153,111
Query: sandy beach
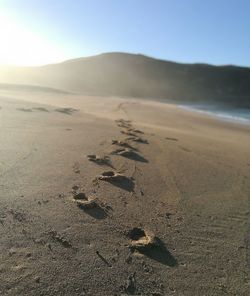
85,180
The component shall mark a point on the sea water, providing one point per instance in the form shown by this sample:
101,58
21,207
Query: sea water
241,115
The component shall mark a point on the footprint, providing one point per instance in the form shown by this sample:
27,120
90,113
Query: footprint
140,240
130,154
80,196
99,160
123,123
184,149
128,133
17,215
130,285
123,144
171,139
137,139
83,201
68,111
120,151
133,130
60,239
90,205
110,176
118,180
24,109
76,168
41,109
151,246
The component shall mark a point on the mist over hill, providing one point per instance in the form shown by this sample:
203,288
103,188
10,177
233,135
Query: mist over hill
131,75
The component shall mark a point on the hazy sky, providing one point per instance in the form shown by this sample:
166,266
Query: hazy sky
43,31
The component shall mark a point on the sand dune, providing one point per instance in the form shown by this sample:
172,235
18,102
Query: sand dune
88,210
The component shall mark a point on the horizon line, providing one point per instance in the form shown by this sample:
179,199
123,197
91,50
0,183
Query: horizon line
125,53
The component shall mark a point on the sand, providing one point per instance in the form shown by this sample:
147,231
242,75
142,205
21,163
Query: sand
182,188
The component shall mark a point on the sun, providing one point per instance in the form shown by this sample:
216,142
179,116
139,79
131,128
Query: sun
23,47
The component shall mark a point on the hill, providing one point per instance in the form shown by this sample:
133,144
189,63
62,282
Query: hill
130,75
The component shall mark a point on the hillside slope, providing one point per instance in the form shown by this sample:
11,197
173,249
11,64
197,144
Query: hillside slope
122,74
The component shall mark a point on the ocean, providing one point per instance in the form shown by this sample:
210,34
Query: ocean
240,115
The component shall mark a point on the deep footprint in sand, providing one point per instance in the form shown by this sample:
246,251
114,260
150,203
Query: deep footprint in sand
171,139
117,180
110,176
130,154
91,206
137,139
128,133
123,144
99,160
120,151
83,201
124,152
141,240
123,123
133,130
67,111
151,246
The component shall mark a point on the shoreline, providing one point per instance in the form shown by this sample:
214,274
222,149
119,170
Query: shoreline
222,115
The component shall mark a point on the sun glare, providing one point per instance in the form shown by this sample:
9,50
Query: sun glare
22,47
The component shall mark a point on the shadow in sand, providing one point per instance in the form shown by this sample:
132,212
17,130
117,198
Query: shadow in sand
184,149
134,156
100,160
117,180
24,109
96,212
108,164
103,259
171,139
137,139
124,183
123,144
41,109
159,253
67,111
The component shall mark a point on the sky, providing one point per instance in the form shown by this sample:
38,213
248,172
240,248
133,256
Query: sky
36,32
